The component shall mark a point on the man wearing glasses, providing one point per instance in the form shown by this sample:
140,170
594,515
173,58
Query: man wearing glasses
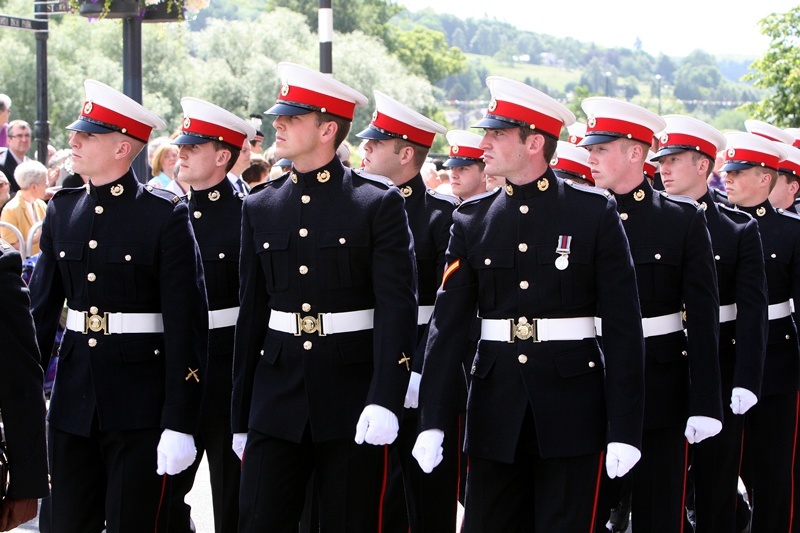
19,142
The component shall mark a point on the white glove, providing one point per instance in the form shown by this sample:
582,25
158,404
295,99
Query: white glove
412,393
239,442
742,400
699,428
620,458
176,452
428,449
376,425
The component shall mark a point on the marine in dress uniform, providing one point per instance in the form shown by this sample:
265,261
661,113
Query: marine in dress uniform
688,150
328,321
398,140
209,145
675,272
131,366
571,163
21,398
751,163
544,400
465,163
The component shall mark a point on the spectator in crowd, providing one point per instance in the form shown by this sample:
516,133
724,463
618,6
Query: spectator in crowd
429,175
162,164
5,190
256,173
255,143
5,112
444,183
26,208
235,174
57,170
19,142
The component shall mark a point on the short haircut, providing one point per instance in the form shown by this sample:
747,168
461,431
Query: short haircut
343,126
696,157
219,145
256,171
420,152
5,102
550,143
29,173
14,124
160,155
792,178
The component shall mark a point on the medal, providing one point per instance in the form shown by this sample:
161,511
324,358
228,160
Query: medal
563,249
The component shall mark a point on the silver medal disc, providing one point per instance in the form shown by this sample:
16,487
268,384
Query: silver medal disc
562,262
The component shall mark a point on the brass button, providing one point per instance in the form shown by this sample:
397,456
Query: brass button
623,216
684,353
92,244
303,232
266,245
487,261
262,352
733,341
788,337
657,256
91,276
98,209
94,310
62,254
305,198
156,352
197,214
522,247
523,209
306,308
303,270
522,358
773,256
221,255
92,343
342,240
128,257
307,345
716,257
523,285
591,364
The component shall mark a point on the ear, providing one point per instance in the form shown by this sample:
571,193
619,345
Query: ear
124,149
327,132
535,143
702,168
794,186
222,158
636,152
406,155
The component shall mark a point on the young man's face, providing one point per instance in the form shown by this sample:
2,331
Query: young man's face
746,187
503,152
380,158
609,163
680,173
296,136
467,181
783,195
198,162
91,152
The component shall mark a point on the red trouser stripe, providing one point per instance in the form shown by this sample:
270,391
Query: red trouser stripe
597,490
794,458
383,487
161,499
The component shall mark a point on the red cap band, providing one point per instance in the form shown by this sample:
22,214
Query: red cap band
574,167
401,129
207,129
125,124
624,128
796,143
682,139
323,102
650,169
574,139
751,156
466,151
790,167
526,115
766,136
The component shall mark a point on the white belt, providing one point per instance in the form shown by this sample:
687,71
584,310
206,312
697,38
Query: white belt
780,310
537,329
321,324
424,314
110,323
727,313
653,326
223,318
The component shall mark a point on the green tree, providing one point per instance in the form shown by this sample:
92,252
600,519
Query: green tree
425,53
779,70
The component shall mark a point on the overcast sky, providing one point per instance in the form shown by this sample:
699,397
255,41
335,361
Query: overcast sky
674,27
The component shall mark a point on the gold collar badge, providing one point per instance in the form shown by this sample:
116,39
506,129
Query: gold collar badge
543,184
406,191
323,176
509,189
117,190
639,195
213,195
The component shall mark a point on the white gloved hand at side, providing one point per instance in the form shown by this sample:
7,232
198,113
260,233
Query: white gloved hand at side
742,400
428,449
412,393
620,458
176,452
376,425
239,442
699,428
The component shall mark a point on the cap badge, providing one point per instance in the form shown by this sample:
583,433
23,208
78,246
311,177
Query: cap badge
509,189
761,211
573,139
186,123
454,148
492,105
87,107
731,152
294,177
554,161
406,191
323,176
375,115
213,195
591,122
284,89
543,184
638,195
664,138
117,190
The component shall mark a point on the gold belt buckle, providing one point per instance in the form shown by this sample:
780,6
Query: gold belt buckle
95,323
309,324
523,330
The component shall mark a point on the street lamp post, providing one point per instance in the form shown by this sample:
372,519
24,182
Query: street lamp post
658,91
608,81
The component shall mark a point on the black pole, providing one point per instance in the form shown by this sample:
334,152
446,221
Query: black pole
132,78
41,127
325,30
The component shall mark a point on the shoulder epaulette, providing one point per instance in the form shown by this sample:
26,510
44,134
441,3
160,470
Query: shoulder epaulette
443,197
679,199
733,211
585,188
479,197
382,180
788,214
163,193
261,186
70,190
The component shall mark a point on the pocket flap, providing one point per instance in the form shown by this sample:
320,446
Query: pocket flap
69,251
128,253
578,362
266,242
482,259
221,252
271,350
334,238
656,255
140,350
